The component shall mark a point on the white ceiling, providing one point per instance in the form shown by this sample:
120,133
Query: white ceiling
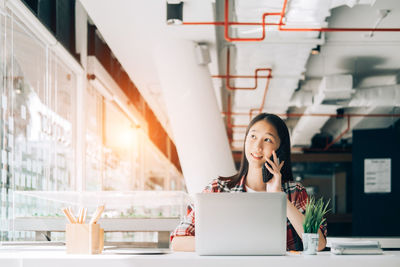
133,28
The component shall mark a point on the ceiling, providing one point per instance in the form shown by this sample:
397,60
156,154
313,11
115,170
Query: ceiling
355,72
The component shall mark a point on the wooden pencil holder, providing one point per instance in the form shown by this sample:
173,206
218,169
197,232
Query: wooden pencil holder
84,238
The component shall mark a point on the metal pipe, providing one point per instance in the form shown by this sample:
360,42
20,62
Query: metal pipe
226,23
323,115
226,26
241,76
228,74
319,114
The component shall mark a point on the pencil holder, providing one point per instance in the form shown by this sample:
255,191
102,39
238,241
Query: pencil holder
84,238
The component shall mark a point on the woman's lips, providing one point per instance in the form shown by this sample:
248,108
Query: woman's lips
256,157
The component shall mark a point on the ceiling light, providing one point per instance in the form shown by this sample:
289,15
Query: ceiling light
316,50
174,12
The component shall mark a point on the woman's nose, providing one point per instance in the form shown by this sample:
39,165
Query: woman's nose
259,146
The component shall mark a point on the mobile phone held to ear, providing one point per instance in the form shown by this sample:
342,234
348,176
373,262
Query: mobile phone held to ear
265,172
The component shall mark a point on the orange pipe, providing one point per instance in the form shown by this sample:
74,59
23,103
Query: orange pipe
349,115
241,76
302,149
226,23
226,26
222,23
229,113
320,114
228,75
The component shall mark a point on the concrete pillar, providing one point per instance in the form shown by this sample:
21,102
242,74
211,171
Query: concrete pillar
199,133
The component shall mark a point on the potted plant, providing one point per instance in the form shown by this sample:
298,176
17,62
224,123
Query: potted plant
314,217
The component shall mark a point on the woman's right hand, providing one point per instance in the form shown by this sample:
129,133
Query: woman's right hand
275,184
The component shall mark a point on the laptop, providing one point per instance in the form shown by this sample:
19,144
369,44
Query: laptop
240,223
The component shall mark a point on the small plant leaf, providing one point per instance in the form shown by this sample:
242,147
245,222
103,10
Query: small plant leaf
314,214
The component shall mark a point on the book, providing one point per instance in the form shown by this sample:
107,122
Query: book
356,248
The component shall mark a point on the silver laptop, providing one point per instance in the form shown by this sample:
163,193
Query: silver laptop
240,223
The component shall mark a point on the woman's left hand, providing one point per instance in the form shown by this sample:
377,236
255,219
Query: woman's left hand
275,184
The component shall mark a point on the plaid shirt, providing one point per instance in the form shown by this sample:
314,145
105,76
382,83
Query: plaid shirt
296,194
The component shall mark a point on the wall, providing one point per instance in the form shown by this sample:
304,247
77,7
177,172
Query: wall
376,214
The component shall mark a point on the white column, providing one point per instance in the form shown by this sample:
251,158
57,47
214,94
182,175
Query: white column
196,121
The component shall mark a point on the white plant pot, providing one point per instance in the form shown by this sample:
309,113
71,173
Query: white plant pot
310,243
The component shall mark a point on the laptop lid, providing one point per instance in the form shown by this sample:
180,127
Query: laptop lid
240,223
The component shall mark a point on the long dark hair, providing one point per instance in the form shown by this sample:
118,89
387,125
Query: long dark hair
283,134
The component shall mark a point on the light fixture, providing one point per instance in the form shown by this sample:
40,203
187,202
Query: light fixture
18,84
316,50
174,12
202,54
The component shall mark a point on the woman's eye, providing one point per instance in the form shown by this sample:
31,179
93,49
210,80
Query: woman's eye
268,140
252,136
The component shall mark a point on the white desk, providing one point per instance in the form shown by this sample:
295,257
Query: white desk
58,258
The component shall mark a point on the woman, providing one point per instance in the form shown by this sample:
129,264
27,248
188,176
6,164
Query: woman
265,134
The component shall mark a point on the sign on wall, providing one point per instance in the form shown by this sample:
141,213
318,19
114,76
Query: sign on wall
377,175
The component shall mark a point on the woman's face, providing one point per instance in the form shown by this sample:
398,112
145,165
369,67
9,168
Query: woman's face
261,140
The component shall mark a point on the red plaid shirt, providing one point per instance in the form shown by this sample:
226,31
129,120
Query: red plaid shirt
296,194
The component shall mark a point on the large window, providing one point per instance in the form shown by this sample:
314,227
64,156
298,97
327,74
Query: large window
60,137
94,156
37,123
121,150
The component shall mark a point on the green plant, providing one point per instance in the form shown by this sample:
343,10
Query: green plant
315,212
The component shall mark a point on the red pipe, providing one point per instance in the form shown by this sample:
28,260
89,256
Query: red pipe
226,23
228,75
303,149
319,114
226,26
349,115
222,23
229,113
241,76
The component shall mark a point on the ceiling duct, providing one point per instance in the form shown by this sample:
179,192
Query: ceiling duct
351,3
335,127
381,100
307,126
334,88
377,96
379,80
301,98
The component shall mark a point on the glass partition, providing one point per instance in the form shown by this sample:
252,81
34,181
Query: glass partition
38,140
37,119
94,156
121,150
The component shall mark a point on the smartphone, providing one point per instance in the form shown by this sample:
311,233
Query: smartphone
265,172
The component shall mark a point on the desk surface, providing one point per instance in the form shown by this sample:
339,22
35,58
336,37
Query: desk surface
58,258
